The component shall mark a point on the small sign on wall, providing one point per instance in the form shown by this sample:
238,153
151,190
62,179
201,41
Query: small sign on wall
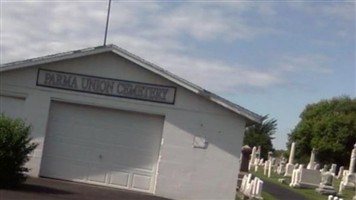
200,142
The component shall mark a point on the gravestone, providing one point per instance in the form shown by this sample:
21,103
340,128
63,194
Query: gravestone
349,180
352,160
265,167
251,188
258,155
312,160
252,159
281,168
317,166
307,178
324,170
332,169
341,171
326,185
296,176
290,166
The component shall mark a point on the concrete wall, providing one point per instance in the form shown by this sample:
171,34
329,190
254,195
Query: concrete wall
184,172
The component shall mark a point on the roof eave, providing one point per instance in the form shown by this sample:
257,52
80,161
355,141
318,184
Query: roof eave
53,58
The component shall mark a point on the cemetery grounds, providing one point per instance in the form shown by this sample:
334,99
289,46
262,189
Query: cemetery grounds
307,193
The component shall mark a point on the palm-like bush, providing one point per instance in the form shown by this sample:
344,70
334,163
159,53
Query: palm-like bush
15,146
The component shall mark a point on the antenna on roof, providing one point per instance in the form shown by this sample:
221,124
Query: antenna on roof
107,23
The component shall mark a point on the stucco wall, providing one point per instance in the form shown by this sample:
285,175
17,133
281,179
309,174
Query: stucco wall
184,172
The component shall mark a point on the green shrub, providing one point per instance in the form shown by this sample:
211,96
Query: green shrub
15,147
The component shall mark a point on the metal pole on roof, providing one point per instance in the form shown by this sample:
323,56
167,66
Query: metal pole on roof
107,23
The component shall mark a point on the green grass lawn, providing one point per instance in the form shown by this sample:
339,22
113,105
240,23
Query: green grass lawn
308,193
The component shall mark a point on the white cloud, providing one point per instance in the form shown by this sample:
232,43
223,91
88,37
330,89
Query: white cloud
343,10
209,73
305,63
340,10
153,31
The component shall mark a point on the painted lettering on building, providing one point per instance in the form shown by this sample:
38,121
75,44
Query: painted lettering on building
106,86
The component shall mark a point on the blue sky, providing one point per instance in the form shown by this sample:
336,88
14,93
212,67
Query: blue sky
272,57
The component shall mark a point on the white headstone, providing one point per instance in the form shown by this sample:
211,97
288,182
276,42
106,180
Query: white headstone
252,159
290,166
317,166
326,185
333,169
258,154
312,160
352,160
341,171
265,167
291,153
349,178
269,168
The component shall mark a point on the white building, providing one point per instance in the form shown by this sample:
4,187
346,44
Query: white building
105,116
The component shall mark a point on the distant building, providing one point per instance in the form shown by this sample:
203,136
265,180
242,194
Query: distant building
105,116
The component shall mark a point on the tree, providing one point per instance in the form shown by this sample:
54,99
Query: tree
261,135
329,126
15,146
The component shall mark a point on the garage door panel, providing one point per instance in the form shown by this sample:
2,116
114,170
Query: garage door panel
107,117
67,169
135,161
81,153
120,178
141,182
119,137
97,174
111,147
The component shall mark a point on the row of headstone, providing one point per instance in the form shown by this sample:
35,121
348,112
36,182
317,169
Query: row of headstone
267,169
310,177
251,188
255,159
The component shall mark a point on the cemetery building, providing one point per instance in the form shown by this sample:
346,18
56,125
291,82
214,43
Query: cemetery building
104,116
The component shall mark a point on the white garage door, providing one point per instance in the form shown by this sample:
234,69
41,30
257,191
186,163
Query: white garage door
102,146
12,106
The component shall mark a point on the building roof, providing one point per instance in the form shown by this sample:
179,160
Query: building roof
250,116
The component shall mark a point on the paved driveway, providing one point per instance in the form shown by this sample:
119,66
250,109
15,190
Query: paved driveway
49,189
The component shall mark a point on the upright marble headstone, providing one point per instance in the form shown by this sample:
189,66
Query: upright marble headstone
281,168
290,166
258,155
317,166
252,159
332,169
325,169
341,171
352,160
326,185
350,179
312,160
